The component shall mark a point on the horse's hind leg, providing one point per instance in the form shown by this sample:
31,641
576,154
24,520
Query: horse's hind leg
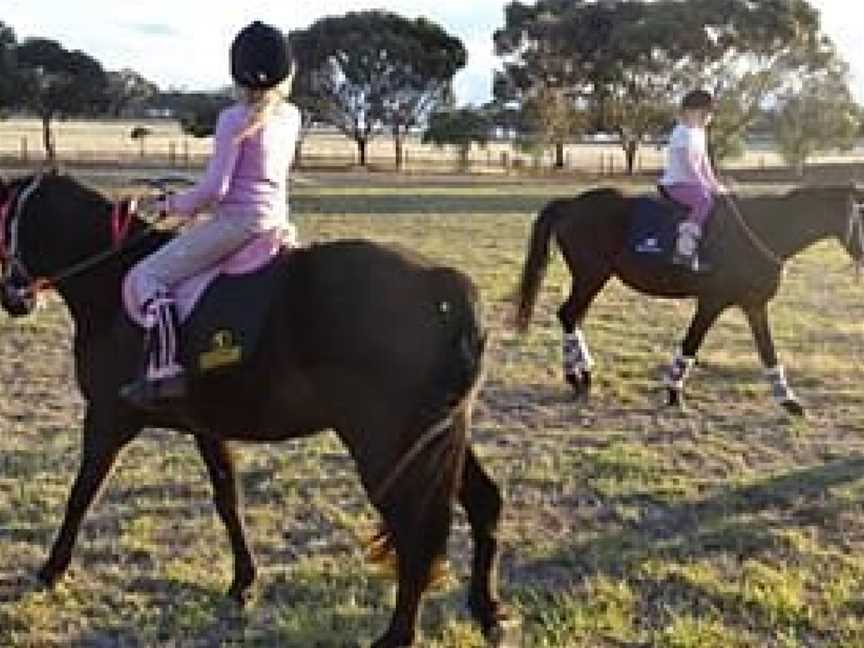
102,443
684,359
226,497
576,356
482,501
757,317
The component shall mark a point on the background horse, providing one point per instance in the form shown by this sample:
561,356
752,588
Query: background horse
375,343
747,250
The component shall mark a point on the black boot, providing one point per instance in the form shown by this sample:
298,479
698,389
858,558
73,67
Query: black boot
162,382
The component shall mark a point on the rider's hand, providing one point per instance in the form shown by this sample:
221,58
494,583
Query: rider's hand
153,205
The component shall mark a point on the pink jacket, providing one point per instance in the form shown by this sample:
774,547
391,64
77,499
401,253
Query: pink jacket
249,174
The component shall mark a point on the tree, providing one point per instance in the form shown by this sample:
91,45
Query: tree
198,111
56,82
461,128
630,61
8,71
128,89
821,116
372,71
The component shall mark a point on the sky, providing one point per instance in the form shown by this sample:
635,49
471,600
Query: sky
184,44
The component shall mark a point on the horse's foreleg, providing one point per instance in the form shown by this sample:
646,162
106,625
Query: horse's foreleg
101,445
481,499
682,362
226,496
757,317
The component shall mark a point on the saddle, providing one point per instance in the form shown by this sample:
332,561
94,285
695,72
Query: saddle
222,310
653,227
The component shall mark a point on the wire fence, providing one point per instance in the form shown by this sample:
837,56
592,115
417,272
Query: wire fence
109,142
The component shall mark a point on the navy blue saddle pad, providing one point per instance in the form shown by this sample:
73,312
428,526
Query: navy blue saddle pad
653,229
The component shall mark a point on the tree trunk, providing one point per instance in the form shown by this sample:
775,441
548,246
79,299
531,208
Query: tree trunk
298,152
48,138
631,146
400,156
361,150
559,155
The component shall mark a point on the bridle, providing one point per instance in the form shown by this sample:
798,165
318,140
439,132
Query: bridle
11,212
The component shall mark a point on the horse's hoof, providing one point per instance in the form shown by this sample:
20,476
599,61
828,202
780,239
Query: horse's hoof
675,399
793,407
505,631
580,383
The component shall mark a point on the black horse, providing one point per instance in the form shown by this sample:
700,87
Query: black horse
747,249
373,342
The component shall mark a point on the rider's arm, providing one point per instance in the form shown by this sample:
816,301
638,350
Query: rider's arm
217,179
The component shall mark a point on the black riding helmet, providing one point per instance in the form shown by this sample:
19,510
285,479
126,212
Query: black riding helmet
698,100
260,57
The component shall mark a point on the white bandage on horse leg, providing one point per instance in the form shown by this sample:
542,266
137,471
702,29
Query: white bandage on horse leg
576,354
780,389
677,373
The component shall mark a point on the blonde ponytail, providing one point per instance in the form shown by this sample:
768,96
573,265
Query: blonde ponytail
262,103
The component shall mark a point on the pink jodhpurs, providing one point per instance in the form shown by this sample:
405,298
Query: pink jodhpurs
699,199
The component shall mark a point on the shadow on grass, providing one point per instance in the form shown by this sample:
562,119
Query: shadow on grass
735,522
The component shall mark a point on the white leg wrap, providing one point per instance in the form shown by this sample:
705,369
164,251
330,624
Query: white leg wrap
678,371
576,354
780,389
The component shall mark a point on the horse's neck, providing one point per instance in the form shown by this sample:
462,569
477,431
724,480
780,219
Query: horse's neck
94,297
786,225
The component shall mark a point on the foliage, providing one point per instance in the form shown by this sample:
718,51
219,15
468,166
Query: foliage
371,71
461,128
630,62
8,70
819,117
127,89
199,112
56,82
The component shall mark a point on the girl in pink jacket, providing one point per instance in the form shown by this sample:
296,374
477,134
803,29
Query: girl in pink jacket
689,178
245,189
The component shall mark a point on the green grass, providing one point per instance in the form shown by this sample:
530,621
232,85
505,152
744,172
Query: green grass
626,525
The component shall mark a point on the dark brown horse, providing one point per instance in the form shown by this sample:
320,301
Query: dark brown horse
748,248
375,343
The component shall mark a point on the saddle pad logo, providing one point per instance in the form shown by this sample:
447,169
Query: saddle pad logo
222,352
650,245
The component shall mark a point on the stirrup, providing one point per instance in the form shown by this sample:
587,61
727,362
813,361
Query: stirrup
155,394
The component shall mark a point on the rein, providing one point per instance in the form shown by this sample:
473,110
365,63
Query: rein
754,238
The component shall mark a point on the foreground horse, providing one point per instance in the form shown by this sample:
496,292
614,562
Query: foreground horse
377,344
747,249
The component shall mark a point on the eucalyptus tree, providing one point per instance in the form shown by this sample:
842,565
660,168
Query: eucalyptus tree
370,72
819,115
629,61
461,128
55,82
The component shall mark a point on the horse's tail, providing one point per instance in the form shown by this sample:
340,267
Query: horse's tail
435,461
534,269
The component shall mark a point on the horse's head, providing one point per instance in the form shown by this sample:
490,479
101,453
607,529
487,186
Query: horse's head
853,236
42,231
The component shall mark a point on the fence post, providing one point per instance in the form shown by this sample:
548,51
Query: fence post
24,154
172,153
186,159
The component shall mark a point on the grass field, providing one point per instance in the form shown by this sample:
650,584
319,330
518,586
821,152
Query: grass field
626,525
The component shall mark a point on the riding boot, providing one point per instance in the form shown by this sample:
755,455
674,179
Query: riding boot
163,380
687,247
